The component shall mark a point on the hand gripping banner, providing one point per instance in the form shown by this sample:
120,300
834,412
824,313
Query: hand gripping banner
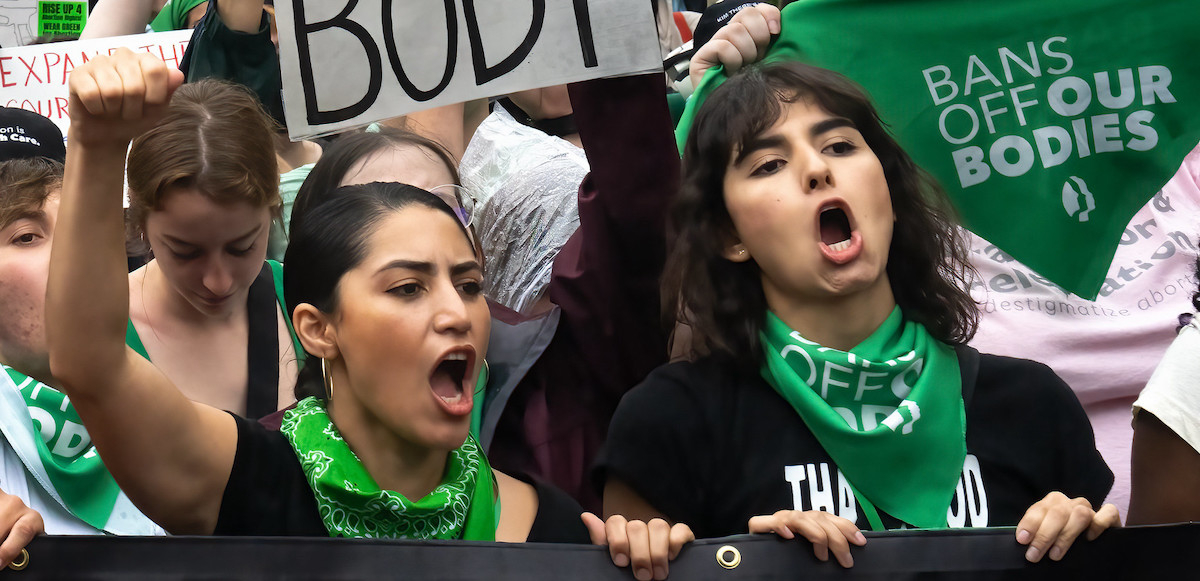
1049,123
1166,552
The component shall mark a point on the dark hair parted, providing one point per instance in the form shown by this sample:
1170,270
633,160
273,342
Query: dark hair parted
332,241
215,138
723,301
349,149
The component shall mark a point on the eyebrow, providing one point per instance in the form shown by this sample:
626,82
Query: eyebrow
428,267
760,143
31,215
242,238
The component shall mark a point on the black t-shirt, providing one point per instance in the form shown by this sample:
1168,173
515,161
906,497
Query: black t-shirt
268,495
711,447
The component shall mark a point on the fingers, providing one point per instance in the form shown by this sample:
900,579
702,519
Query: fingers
1051,525
681,535
827,533
639,549
21,524
121,94
131,92
1107,517
646,547
618,540
595,528
743,41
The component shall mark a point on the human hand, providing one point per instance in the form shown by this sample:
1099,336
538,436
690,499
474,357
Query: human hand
18,525
1053,523
741,42
825,531
117,97
648,547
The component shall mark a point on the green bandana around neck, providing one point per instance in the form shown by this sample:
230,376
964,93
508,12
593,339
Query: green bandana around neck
889,412
352,505
65,452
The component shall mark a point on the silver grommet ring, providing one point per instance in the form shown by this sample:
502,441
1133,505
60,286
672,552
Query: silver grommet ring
20,562
729,557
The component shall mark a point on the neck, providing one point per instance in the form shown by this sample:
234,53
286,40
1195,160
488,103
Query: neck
395,464
838,323
293,154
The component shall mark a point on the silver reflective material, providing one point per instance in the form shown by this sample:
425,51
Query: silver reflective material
526,184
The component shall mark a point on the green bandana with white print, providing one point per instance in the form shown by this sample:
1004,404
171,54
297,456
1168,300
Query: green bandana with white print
889,412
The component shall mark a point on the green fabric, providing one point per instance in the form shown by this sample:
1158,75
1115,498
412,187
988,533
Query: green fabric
134,341
65,449
173,15
352,505
889,412
970,63
289,187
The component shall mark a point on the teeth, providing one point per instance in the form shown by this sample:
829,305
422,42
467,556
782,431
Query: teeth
456,357
840,246
457,398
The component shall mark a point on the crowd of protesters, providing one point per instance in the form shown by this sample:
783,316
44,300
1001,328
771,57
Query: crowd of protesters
529,319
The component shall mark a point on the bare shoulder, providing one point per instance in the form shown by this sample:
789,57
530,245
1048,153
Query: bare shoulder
518,508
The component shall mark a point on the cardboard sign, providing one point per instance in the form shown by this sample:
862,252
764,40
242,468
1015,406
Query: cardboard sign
18,22
347,63
35,77
61,17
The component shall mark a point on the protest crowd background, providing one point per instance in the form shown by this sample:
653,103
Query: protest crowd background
615,272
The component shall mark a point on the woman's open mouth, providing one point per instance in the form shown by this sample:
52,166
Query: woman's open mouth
840,242
449,378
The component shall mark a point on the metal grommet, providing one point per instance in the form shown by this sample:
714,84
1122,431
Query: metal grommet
729,557
20,562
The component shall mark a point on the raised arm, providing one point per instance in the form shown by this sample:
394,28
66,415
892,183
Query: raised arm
118,18
171,456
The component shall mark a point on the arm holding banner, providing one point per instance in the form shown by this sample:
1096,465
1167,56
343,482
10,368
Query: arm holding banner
177,475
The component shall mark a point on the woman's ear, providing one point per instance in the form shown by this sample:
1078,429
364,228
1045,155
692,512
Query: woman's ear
315,331
736,253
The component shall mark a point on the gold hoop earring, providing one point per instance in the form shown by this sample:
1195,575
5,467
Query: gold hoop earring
328,379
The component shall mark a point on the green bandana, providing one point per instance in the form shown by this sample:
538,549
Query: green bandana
352,504
1071,114
65,452
889,412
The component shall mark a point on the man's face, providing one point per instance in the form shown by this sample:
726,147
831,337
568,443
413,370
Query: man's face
24,268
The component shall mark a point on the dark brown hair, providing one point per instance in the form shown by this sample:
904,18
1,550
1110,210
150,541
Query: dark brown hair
24,186
215,138
723,301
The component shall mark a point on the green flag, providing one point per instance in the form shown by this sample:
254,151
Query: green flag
1049,123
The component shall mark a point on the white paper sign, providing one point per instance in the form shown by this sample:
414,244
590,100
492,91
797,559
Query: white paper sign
347,63
35,77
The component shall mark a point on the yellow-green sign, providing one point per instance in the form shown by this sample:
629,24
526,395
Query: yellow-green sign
61,18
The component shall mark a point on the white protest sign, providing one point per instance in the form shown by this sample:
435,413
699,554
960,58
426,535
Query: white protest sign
35,77
18,22
347,63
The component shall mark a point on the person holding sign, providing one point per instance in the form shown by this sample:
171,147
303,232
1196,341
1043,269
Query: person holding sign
821,275
395,322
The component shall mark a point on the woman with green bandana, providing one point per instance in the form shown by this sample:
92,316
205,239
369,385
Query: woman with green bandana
832,388
385,293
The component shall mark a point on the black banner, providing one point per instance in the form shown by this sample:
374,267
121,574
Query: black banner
1160,552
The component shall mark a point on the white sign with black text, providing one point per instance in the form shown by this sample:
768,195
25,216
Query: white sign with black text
347,63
